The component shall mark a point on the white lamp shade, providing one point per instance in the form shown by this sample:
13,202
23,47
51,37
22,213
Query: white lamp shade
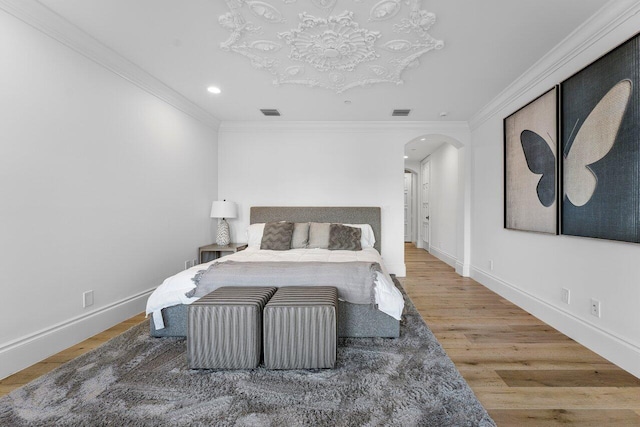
223,209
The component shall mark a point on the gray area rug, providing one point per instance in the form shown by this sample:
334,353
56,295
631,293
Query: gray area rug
137,380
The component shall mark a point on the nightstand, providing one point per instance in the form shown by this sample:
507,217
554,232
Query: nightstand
211,252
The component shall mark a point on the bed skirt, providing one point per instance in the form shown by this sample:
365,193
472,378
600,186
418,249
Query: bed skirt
354,320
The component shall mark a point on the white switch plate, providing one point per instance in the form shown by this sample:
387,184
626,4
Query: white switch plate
566,295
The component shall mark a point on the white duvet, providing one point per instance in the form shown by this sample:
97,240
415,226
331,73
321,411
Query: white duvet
172,290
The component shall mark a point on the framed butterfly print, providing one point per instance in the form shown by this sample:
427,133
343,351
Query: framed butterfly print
600,147
530,166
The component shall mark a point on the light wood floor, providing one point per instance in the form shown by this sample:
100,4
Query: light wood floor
524,372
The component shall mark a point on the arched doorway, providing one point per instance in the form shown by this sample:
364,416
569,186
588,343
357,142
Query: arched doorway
441,217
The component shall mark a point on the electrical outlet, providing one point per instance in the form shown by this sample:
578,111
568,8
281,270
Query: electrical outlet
566,295
87,299
595,307
491,264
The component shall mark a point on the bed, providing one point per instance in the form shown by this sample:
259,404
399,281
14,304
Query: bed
168,303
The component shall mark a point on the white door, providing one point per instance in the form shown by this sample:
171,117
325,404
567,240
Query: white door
426,177
408,220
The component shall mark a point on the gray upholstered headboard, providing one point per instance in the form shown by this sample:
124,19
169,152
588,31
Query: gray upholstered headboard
345,215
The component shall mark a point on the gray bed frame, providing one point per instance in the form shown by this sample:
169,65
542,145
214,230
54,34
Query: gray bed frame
355,320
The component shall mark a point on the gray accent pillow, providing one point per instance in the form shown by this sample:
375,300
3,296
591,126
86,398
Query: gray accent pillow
319,235
277,236
342,237
300,238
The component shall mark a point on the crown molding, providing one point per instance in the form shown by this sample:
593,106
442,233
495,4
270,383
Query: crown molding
611,16
55,26
346,126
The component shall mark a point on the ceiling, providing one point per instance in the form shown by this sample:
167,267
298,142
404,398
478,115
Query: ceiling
419,148
487,45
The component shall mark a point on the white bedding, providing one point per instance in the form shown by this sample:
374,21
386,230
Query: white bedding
172,290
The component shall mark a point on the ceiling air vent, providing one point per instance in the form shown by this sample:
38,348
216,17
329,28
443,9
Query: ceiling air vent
269,112
400,113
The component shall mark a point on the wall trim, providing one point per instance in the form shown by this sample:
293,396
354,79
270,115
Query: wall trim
399,270
600,340
55,26
462,269
23,352
608,18
443,256
344,126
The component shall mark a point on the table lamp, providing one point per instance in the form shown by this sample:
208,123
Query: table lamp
223,209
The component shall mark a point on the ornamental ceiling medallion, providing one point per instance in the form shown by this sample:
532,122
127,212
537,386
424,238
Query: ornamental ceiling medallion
335,44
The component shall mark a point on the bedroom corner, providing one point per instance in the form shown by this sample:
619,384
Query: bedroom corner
106,188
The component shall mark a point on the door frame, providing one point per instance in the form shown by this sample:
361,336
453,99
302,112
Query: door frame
421,241
410,217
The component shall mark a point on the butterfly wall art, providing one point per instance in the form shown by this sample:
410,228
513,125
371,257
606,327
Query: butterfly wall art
530,165
600,110
599,115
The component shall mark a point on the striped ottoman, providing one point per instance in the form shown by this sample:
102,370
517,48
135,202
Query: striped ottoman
224,328
300,325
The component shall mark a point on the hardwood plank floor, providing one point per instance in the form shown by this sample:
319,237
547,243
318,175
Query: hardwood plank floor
31,373
523,371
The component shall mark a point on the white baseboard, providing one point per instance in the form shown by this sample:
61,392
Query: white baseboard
605,343
463,269
400,270
443,256
25,351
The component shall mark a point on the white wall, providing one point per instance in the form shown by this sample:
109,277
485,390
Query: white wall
315,164
322,164
443,201
530,269
103,187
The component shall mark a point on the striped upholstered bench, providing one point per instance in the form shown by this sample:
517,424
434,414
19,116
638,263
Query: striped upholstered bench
224,328
300,325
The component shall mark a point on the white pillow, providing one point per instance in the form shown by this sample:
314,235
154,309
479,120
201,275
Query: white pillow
368,239
254,235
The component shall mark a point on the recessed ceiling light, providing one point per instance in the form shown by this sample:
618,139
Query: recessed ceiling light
348,102
444,114
423,139
406,157
213,89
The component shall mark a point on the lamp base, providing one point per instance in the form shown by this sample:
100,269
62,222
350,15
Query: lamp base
223,239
